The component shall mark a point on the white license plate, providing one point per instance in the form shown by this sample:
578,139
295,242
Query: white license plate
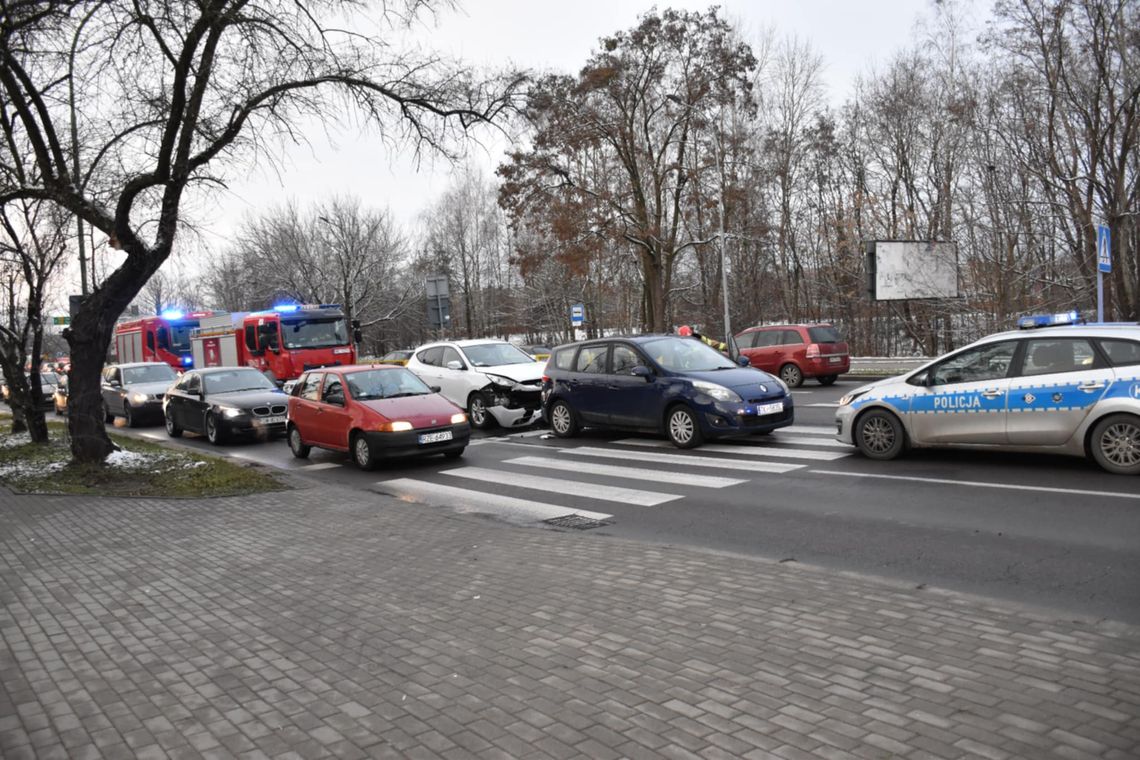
271,420
835,359
770,408
442,435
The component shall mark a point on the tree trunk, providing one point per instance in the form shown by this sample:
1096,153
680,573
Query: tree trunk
88,339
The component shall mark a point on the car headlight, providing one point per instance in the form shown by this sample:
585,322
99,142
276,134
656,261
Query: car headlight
458,418
850,397
502,383
719,392
231,411
399,426
138,398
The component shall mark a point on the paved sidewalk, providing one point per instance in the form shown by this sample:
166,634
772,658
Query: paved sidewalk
327,622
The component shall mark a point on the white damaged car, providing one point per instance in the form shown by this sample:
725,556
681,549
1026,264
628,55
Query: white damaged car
492,379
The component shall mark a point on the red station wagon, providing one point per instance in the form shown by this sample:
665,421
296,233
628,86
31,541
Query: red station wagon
377,412
793,352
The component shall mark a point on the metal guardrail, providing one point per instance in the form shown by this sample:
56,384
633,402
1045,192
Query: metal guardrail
885,365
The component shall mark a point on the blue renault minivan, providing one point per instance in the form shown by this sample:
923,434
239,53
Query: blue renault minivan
662,384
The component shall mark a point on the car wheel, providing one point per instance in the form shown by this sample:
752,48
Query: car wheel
172,429
128,415
828,379
107,416
682,428
299,448
1115,444
362,452
477,412
791,375
880,435
453,454
562,420
213,429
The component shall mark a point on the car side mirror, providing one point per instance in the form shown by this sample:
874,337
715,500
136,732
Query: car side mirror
642,371
455,364
742,360
115,384
435,388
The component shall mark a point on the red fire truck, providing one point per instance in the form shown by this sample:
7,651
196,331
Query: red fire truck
165,338
282,343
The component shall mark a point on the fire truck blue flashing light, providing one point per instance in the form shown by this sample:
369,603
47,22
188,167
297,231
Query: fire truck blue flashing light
286,307
172,314
1049,320
187,361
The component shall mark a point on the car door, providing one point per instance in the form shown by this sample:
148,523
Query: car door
192,405
589,383
333,414
112,393
964,399
631,400
1059,381
426,364
457,377
765,354
303,407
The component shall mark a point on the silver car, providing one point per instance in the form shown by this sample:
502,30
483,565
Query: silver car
134,391
1062,390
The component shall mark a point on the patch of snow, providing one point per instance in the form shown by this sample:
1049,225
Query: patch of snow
12,441
29,469
133,460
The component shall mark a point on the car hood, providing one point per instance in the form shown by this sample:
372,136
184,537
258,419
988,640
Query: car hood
520,373
428,410
248,399
746,381
151,389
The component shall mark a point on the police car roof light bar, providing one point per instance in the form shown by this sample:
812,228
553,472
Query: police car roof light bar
1035,321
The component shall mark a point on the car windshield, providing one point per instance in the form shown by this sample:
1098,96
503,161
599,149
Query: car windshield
686,355
158,373
314,333
46,378
237,380
496,354
180,335
385,383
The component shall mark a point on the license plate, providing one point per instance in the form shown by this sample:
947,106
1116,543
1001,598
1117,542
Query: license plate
442,435
835,359
271,420
770,408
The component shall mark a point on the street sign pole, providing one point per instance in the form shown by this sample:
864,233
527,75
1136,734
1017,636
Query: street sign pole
1103,265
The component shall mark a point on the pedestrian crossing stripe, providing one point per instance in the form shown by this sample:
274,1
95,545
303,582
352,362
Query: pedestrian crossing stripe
688,460
564,487
466,500
630,473
751,451
808,430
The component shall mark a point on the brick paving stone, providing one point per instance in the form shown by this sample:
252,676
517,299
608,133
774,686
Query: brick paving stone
326,622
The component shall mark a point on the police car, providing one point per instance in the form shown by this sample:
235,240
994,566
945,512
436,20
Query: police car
1053,386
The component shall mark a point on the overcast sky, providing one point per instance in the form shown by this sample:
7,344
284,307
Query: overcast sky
851,35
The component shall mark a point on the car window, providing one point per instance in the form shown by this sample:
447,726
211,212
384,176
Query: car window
496,354
563,358
430,356
746,340
333,392
310,388
825,334
624,359
1048,356
237,380
988,362
193,384
790,337
592,359
679,354
1121,353
383,383
765,338
450,355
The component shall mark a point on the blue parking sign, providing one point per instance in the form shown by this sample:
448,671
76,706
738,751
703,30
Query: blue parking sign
1104,249
577,314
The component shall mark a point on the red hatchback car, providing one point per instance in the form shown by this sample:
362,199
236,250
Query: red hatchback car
793,352
374,412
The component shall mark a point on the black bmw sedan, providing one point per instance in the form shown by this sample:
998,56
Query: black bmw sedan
223,402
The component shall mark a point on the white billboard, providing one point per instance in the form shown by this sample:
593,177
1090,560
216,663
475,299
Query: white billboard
903,269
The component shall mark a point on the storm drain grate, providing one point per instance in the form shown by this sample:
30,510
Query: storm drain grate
577,522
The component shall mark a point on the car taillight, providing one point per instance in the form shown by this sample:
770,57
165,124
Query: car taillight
546,378
813,351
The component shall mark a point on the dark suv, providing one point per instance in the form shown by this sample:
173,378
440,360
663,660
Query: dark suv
796,351
661,384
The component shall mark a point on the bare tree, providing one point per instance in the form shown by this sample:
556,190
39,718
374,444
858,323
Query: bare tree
170,93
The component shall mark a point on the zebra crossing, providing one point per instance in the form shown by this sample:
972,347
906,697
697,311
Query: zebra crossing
585,480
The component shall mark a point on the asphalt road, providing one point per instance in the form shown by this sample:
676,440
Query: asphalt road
1043,530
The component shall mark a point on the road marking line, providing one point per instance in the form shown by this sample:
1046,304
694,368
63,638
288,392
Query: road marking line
562,486
748,451
528,434
982,484
320,466
829,442
689,460
829,404
466,500
808,429
632,473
